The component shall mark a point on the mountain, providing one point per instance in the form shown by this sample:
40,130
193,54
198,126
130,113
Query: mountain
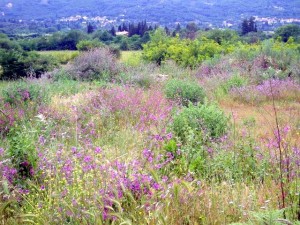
161,11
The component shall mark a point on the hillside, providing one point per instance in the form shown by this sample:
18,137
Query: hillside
162,11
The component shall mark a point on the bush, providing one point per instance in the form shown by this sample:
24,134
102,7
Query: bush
18,64
184,91
22,150
287,31
234,82
96,64
187,53
201,121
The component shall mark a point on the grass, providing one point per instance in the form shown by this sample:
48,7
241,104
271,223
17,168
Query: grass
63,57
131,58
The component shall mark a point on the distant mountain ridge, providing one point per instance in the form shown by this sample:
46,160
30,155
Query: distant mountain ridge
161,11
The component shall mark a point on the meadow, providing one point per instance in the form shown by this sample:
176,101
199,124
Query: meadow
126,141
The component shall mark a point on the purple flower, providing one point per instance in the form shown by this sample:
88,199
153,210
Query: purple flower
148,154
98,150
87,159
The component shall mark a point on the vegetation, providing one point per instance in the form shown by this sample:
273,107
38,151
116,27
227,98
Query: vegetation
185,92
192,130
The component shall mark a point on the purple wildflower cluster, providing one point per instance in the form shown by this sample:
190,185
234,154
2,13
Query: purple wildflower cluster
267,90
100,182
8,116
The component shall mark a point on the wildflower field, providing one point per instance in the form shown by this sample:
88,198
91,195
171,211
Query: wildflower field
108,141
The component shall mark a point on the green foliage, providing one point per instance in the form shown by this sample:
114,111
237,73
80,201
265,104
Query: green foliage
16,63
221,36
131,58
234,81
249,25
184,91
22,149
56,41
7,44
188,53
62,57
287,31
86,45
201,121
254,37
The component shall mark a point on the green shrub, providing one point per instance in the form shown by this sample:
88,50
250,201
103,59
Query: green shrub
201,121
22,150
18,64
184,91
235,81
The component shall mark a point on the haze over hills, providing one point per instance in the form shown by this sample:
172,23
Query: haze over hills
161,11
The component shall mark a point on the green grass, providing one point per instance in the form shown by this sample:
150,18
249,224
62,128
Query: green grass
63,57
131,58
3,85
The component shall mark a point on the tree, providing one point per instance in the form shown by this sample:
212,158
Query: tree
16,63
71,39
124,46
90,28
113,31
191,30
249,26
167,30
120,28
124,27
287,31
178,27
105,36
220,36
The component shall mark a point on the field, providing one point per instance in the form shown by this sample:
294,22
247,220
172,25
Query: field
141,143
62,56
128,57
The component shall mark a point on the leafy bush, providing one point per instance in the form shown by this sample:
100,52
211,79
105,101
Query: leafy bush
200,121
184,91
22,150
233,82
96,64
287,31
18,64
188,53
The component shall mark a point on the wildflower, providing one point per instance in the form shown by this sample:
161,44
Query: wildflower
98,150
148,154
